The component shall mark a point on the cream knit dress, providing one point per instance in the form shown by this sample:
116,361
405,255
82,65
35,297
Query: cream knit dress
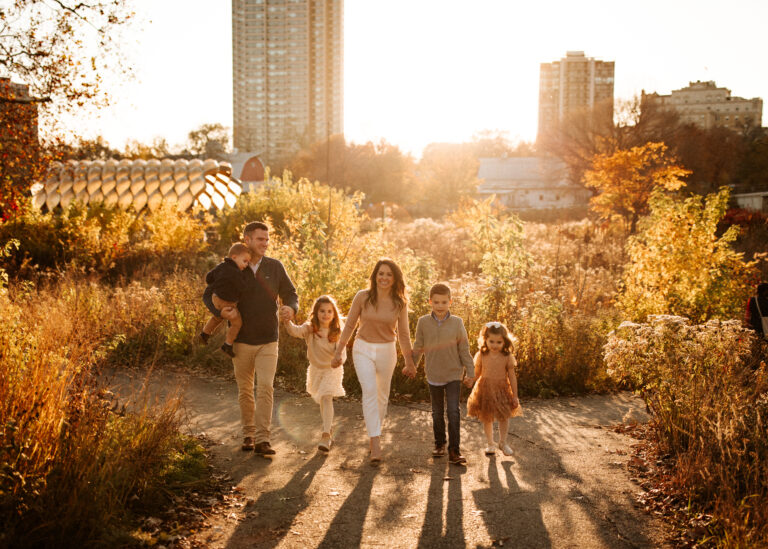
322,380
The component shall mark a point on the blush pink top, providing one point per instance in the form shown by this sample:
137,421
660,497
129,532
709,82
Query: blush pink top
381,324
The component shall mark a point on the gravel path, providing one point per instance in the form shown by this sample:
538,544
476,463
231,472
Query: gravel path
566,486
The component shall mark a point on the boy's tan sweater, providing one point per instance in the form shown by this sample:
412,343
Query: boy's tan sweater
446,349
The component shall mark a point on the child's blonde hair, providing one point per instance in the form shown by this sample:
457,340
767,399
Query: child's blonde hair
238,248
334,331
496,328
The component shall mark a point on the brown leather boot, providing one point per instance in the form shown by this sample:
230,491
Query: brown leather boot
455,457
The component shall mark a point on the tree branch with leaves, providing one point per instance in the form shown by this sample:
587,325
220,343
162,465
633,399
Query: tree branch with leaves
625,179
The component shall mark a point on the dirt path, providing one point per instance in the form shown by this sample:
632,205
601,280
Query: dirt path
566,486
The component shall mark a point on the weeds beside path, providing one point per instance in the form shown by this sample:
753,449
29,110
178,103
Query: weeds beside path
566,485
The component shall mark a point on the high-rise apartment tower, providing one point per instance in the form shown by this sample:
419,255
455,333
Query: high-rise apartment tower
287,74
574,84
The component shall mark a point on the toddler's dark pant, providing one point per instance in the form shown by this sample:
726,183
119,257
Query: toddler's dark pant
208,300
440,396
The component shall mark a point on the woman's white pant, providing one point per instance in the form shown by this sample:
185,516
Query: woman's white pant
374,364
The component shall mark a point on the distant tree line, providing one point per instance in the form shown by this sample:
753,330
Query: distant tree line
716,157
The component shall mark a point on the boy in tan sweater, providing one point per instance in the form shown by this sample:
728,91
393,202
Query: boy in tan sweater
442,338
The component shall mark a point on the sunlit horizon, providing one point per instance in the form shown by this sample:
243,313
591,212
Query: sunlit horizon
435,71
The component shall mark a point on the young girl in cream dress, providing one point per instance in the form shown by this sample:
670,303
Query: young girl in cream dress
321,332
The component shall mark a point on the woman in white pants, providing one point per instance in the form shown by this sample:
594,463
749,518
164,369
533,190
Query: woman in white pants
382,312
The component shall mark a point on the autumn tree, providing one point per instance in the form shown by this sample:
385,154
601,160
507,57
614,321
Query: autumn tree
679,265
157,148
753,170
446,173
625,179
209,141
62,50
581,135
19,150
378,170
96,148
496,144
714,155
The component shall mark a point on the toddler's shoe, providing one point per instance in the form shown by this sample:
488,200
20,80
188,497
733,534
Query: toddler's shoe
490,450
507,451
439,450
228,349
248,444
203,338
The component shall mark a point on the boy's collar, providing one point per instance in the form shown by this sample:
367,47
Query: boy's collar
446,317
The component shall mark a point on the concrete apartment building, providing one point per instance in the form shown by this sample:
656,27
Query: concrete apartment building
573,84
287,74
707,106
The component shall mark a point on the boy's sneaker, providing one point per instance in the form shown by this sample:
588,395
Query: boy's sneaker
455,457
228,349
439,450
490,450
203,338
504,447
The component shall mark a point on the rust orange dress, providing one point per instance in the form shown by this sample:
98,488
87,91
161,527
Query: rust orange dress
492,398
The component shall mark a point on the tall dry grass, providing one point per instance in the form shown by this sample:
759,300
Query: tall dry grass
707,389
554,289
71,458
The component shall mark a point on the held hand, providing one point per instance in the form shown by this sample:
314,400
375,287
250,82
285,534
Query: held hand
286,313
469,381
336,361
409,370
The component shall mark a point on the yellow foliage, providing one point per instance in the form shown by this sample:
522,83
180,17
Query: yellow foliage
625,179
678,265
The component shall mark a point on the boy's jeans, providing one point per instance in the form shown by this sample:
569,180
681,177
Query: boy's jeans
451,393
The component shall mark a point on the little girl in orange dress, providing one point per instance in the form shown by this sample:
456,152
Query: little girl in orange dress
494,396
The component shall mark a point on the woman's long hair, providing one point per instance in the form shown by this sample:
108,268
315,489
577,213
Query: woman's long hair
496,328
398,286
334,331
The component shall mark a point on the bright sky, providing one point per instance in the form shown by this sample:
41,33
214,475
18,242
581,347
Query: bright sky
422,71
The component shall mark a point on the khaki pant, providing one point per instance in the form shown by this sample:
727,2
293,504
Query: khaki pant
259,361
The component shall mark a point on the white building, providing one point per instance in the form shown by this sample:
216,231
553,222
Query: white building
757,201
707,106
530,183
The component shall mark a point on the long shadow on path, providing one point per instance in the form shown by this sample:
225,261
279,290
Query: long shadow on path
277,509
346,529
432,530
510,521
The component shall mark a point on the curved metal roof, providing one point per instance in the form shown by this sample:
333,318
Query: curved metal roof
139,184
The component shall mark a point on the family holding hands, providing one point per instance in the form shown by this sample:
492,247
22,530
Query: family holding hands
244,290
